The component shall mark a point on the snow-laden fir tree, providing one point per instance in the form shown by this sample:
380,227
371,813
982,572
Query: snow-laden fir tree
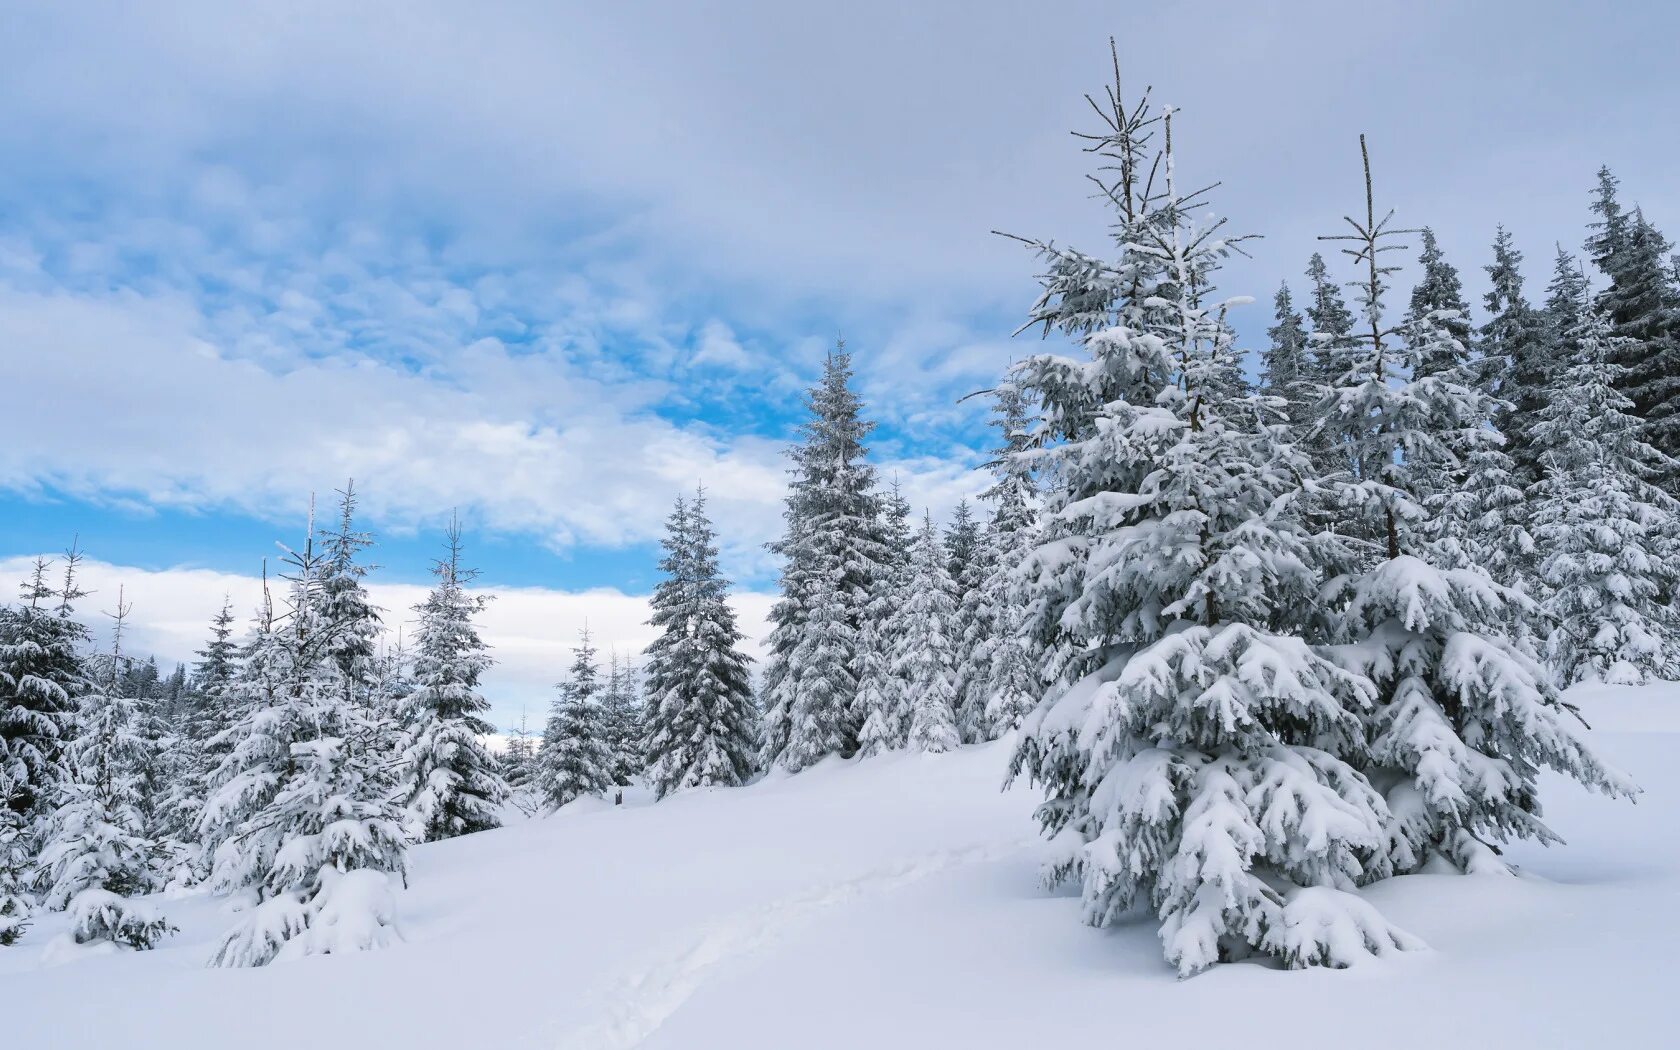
1330,331
1439,296
1287,369
16,902
621,718
575,759
351,620
878,706
923,629
353,626
1199,757
250,756
1481,523
1480,520
1609,535
301,805
165,758
1643,307
832,554
1463,720
1006,658
701,717
1516,356
40,676
519,759
97,854
969,562
974,637
448,782
1610,229
210,713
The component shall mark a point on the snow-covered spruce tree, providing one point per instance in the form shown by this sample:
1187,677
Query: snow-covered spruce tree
447,782
1608,534
1287,370
41,675
16,902
519,759
1439,295
251,755
1080,297
701,718
574,759
923,630
1198,755
1516,359
210,714
1643,307
973,638
621,718
163,759
1479,520
1330,332
969,560
1610,229
1464,720
97,854
832,554
878,706
1481,523
353,628
1006,654
302,796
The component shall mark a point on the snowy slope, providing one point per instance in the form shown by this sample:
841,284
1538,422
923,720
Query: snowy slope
893,903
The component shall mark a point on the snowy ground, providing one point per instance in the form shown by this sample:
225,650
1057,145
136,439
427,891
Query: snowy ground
893,903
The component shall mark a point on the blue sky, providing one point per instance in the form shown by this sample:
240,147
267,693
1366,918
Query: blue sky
551,264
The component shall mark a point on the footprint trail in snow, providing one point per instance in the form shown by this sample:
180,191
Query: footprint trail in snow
642,1002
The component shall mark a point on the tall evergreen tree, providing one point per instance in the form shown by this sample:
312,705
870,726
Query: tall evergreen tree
622,715
702,729
1644,311
1516,356
1610,229
40,677
519,759
878,704
962,536
1609,535
1463,720
352,624
832,555
300,808
1287,369
253,753
16,902
97,853
1005,656
574,759
924,630
213,677
969,559
1439,294
1173,563
1329,321
448,783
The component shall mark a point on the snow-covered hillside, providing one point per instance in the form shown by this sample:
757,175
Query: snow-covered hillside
892,903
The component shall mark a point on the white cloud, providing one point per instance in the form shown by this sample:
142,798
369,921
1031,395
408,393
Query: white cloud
136,405
531,630
129,400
